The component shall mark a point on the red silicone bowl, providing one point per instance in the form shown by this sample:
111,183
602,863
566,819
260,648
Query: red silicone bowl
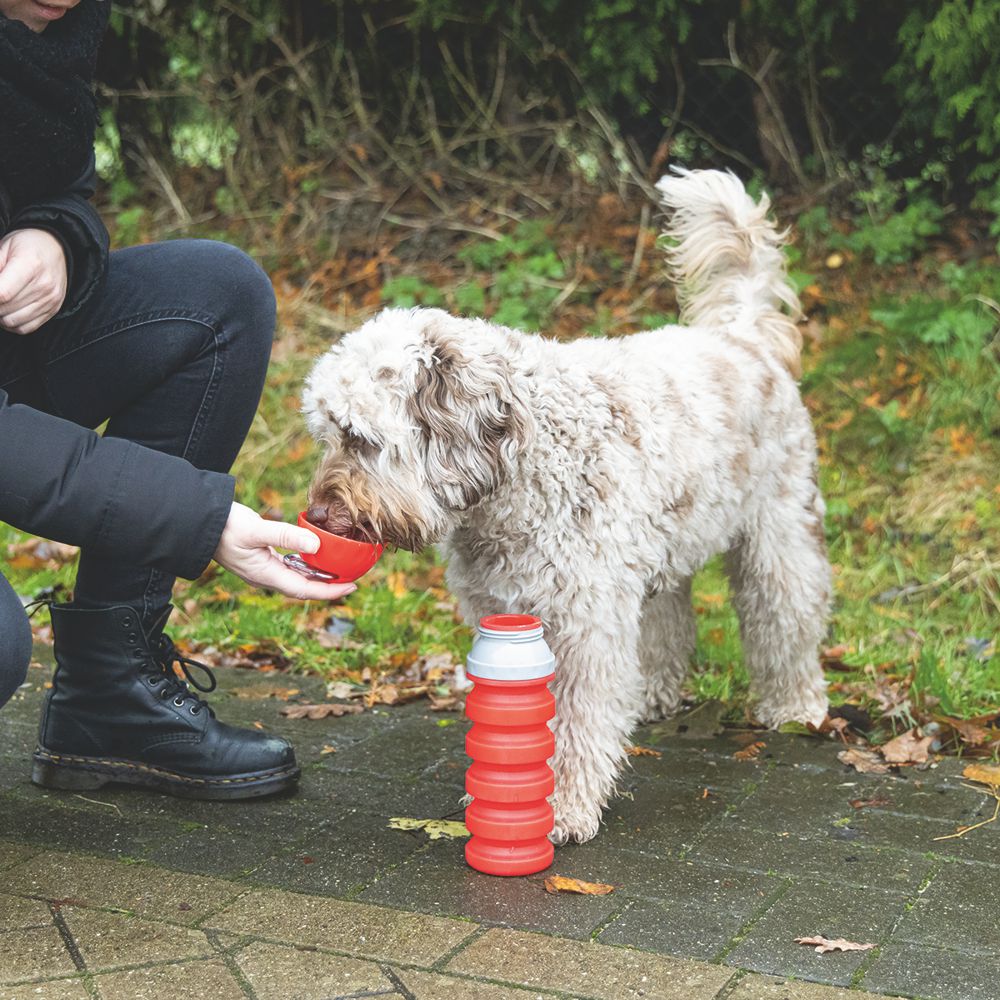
342,558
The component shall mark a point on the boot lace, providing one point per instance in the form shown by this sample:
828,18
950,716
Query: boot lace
165,655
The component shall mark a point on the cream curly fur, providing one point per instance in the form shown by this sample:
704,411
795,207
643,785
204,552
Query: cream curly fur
586,482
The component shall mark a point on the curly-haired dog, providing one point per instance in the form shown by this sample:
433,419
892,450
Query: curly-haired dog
586,482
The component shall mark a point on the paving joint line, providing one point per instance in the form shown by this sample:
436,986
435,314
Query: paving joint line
67,938
401,987
229,960
910,901
627,902
783,887
439,964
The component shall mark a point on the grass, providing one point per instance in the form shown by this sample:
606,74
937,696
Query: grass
904,388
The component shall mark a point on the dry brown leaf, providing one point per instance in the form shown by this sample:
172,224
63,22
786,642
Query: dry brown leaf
823,945
642,752
876,803
751,752
908,748
449,703
863,761
265,691
986,774
561,883
333,709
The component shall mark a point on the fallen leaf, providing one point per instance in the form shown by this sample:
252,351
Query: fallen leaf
835,261
863,761
875,803
327,749
334,710
751,752
341,689
265,691
907,749
396,582
824,945
986,774
449,703
642,752
436,829
561,883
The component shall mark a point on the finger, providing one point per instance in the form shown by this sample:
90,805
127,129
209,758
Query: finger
287,536
28,319
277,576
15,279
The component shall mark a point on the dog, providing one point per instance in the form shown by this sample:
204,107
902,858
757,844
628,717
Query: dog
587,481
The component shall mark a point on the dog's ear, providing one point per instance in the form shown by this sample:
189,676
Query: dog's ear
472,416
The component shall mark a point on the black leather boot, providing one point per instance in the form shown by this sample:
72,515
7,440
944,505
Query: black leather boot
117,712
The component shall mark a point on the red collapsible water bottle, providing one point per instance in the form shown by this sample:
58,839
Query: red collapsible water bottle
510,743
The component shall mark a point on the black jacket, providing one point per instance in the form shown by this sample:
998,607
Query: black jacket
73,221
65,482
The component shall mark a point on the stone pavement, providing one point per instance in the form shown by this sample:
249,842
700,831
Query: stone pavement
718,865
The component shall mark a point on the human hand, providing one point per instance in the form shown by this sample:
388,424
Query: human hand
247,546
32,279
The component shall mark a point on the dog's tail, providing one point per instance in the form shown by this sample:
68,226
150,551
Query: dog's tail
727,262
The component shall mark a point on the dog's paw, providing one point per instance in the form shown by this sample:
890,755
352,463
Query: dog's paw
574,826
807,710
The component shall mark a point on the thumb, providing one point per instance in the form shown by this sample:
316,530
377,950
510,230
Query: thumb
287,536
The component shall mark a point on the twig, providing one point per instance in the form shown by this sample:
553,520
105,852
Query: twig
97,802
963,830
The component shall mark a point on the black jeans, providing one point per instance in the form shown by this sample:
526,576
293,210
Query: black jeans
171,351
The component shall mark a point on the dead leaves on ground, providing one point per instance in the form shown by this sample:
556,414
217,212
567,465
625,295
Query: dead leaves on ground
40,553
822,945
436,829
750,752
556,884
333,709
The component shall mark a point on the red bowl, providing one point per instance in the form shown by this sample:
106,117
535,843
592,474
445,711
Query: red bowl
342,558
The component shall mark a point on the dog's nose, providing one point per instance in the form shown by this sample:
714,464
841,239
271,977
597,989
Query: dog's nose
318,515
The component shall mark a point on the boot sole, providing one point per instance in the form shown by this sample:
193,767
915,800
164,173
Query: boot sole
85,774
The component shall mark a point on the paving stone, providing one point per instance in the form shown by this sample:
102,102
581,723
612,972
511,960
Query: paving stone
661,818
331,789
439,881
184,981
14,854
678,883
675,930
827,858
934,973
913,794
586,968
406,750
432,986
16,913
339,857
142,889
38,953
792,802
809,909
695,766
917,834
116,821
59,989
355,928
276,972
755,987
959,909
110,940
